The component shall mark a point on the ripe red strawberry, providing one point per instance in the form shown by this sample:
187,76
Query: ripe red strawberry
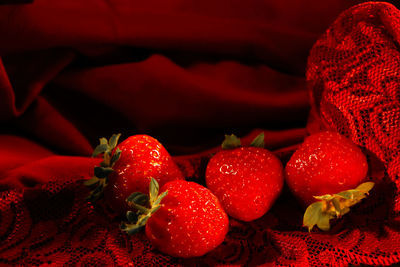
247,180
327,163
129,168
189,222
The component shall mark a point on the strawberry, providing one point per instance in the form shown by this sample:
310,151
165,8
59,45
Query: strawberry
247,180
325,168
189,222
129,167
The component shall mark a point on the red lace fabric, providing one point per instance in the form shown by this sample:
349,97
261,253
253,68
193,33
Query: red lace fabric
355,87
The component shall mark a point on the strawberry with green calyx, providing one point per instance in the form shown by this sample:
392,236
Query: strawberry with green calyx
325,164
333,206
247,180
185,220
110,155
142,158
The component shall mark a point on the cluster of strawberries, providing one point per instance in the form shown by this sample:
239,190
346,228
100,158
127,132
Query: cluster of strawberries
186,219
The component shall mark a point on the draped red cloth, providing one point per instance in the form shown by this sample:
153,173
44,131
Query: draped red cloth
186,72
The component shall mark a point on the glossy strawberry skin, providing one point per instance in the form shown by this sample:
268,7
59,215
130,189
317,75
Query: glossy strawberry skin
190,222
326,163
247,181
142,157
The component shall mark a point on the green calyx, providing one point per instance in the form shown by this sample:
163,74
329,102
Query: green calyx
146,205
333,206
100,179
232,141
258,141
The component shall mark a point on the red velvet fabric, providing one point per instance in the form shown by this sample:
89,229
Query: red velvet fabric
185,72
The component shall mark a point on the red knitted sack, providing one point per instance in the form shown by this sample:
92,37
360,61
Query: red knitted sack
354,77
